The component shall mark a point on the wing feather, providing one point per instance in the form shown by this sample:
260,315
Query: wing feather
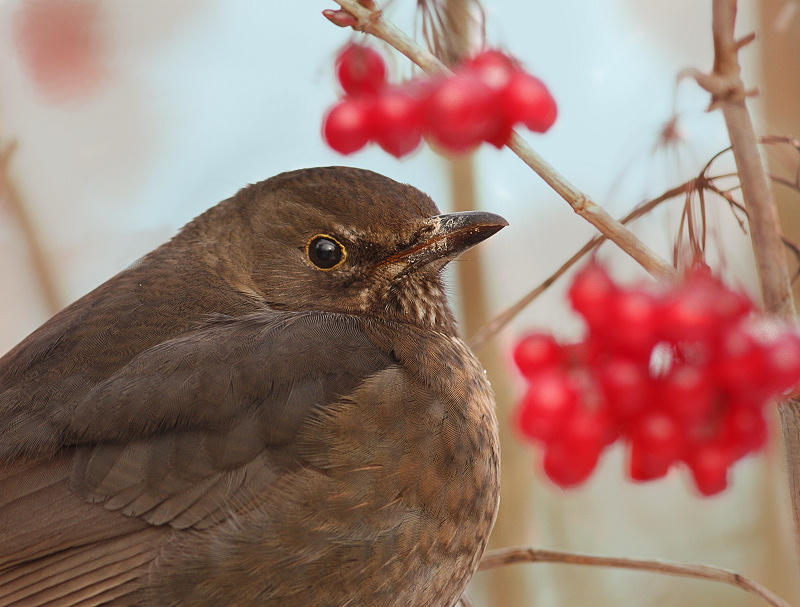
188,433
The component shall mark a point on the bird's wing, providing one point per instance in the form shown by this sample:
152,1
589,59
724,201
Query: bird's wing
56,549
194,428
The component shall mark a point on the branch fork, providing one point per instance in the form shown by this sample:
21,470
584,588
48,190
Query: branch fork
724,82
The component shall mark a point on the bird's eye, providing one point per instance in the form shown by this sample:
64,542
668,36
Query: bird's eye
325,252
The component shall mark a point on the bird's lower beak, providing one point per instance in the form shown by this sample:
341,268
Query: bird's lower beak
447,236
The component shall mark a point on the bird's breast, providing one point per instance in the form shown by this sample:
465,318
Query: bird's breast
415,457
396,502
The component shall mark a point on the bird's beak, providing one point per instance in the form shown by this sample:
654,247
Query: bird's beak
447,236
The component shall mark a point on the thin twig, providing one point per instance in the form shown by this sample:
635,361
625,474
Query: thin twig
42,268
508,556
371,21
496,324
735,205
699,184
785,181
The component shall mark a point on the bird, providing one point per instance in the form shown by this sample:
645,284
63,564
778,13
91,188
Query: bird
275,407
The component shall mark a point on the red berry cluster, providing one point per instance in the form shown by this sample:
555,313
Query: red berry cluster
482,101
679,376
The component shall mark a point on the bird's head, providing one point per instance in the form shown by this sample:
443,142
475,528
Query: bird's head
349,240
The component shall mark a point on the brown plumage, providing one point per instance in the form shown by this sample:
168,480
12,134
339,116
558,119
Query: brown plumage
273,408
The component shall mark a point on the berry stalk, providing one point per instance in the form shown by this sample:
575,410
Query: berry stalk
372,22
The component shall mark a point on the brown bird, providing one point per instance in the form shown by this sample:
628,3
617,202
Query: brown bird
273,408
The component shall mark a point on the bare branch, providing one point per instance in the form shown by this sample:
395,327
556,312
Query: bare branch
728,93
702,183
508,556
494,326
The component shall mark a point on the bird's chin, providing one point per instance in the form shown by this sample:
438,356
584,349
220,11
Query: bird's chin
420,299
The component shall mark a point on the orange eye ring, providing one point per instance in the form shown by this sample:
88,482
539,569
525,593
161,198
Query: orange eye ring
325,252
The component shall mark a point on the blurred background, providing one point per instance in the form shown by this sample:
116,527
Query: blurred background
120,121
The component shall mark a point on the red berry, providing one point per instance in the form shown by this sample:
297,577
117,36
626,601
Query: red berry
744,429
610,425
645,465
591,294
526,99
63,45
589,430
459,113
494,68
689,314
360,69
782,362
398,121
687,319
732,305
580,353
551,400
570,459
501,134
709,465
729,305
537,352
687,392
348,125
657,440
563,468
740,363
701,308
633,315
703,406
626,386
586,432
660,433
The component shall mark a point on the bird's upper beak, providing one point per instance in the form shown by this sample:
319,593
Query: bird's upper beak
447,236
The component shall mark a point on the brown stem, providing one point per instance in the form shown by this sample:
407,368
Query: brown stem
496,324
761,209
508,556
41,264
700,183
373,22
728,94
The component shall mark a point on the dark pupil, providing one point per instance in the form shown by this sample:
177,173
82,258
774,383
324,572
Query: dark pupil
325,253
